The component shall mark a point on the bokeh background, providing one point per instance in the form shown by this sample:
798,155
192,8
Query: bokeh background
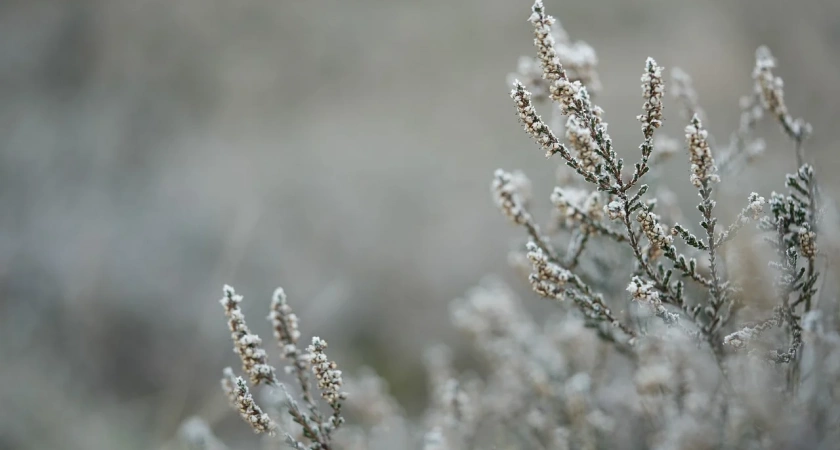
152,150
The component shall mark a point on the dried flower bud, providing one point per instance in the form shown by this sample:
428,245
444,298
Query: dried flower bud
756,206
241,399
653,88
575,205
508,198
643,291
740,338
544,269
246,344
807,243
562,89
770,86
581,140
285,322
328,376
533,123
702,164
655,232
544,40
771,90
615,210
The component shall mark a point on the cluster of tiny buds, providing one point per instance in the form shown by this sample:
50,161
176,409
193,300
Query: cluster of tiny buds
615,210
702,164
807,243
578,58
561,89
753,211
544,269
574,203
653,89
326,372
241,399
566,93
581,140
654,230
285,324
508,197
643,291
247,345
771,90
544,40
740,338
768,85
756,206
533,123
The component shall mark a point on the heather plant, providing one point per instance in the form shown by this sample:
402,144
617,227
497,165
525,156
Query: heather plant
655,343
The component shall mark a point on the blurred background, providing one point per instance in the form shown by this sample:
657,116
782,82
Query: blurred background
151,151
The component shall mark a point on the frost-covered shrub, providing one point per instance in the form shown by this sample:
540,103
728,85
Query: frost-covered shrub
660,348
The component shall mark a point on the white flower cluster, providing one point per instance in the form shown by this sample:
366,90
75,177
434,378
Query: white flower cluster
768,85
533,123
702,164
326,372
756,206
742,337
506,191
655,231
544,40
574,203
548,277
808,243
615,209
739,338
653,89
643,291
285,324
581,140
770,88
562,89
577,58
246,344
241,399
